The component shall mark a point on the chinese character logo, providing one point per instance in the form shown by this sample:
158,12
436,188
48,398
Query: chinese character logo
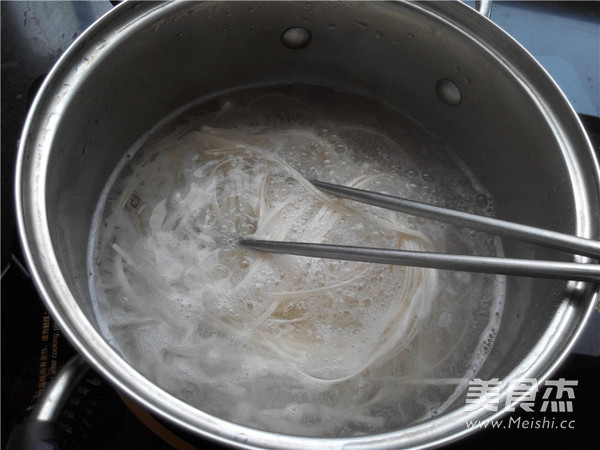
562,387
486,394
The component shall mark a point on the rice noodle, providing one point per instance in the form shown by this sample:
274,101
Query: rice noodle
279,342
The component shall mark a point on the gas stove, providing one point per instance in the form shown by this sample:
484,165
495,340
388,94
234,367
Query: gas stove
563,36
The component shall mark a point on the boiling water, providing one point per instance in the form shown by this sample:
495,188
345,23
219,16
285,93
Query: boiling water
290,344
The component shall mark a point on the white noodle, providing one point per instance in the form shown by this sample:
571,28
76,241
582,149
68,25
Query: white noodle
218,318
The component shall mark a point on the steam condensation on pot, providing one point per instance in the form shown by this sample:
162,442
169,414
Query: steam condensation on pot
289,344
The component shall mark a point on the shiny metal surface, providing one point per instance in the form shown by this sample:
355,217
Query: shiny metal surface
432,260
42,428
535,235
513,128
34,35
51,404
484,7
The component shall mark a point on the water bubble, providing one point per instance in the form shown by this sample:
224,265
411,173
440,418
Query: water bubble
339,148
427,177
481,200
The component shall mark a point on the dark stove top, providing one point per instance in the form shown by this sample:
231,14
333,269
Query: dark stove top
564,37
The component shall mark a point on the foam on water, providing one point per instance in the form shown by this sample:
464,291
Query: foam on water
283,343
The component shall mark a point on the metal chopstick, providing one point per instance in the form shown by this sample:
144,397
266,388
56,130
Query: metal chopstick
467,263
534,235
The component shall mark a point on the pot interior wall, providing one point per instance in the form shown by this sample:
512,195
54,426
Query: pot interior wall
394,53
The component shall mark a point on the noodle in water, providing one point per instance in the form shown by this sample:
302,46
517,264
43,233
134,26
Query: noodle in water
296,345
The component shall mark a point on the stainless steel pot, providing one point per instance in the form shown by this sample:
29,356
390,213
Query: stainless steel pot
447,67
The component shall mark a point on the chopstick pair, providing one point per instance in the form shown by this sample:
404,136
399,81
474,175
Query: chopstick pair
468,263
